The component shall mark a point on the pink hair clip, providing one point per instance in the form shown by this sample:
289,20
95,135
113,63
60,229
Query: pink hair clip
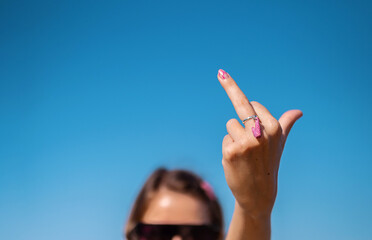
208,189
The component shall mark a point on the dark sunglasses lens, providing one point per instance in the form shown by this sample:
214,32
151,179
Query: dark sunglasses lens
154,232
198,233
166,232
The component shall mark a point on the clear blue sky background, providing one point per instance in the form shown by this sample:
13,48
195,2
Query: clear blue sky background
95,94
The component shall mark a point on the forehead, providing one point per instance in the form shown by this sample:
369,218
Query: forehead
170,207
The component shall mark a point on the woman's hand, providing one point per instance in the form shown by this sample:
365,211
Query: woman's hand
251,164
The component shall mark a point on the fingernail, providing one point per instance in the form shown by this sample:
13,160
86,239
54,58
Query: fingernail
223,74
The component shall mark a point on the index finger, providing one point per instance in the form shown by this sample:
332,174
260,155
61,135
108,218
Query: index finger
241,103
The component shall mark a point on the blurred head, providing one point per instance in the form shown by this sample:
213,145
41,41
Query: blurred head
175,197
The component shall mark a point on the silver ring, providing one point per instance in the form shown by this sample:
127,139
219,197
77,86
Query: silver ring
250,117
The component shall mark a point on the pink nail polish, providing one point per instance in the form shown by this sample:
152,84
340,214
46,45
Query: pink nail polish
223,74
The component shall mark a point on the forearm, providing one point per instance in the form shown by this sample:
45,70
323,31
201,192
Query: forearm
247,227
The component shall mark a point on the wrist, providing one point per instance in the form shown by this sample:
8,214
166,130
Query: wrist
253,215
245,223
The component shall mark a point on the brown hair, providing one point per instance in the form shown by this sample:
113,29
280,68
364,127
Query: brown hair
178,180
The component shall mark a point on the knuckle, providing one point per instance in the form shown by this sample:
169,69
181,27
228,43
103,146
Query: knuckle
230,122
223,162
274,127
229,152
255,144
244,143
225,138
243,100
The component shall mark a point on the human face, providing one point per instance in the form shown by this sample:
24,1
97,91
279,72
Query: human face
170,207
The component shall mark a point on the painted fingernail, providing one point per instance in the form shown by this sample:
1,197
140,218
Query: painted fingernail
223,74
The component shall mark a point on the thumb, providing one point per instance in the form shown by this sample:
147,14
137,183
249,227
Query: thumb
287,120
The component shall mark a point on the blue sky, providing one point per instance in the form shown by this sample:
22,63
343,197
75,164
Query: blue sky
95,94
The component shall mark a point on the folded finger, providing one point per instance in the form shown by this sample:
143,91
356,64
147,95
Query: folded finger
227,140
267,120
236,130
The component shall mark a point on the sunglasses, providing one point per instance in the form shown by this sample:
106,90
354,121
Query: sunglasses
144,231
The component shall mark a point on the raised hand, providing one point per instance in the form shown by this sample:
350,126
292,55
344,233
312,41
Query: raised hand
251,164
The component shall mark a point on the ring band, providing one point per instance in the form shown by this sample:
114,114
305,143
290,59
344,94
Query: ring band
256,130
250,117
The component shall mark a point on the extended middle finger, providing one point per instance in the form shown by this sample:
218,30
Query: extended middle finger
241,103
